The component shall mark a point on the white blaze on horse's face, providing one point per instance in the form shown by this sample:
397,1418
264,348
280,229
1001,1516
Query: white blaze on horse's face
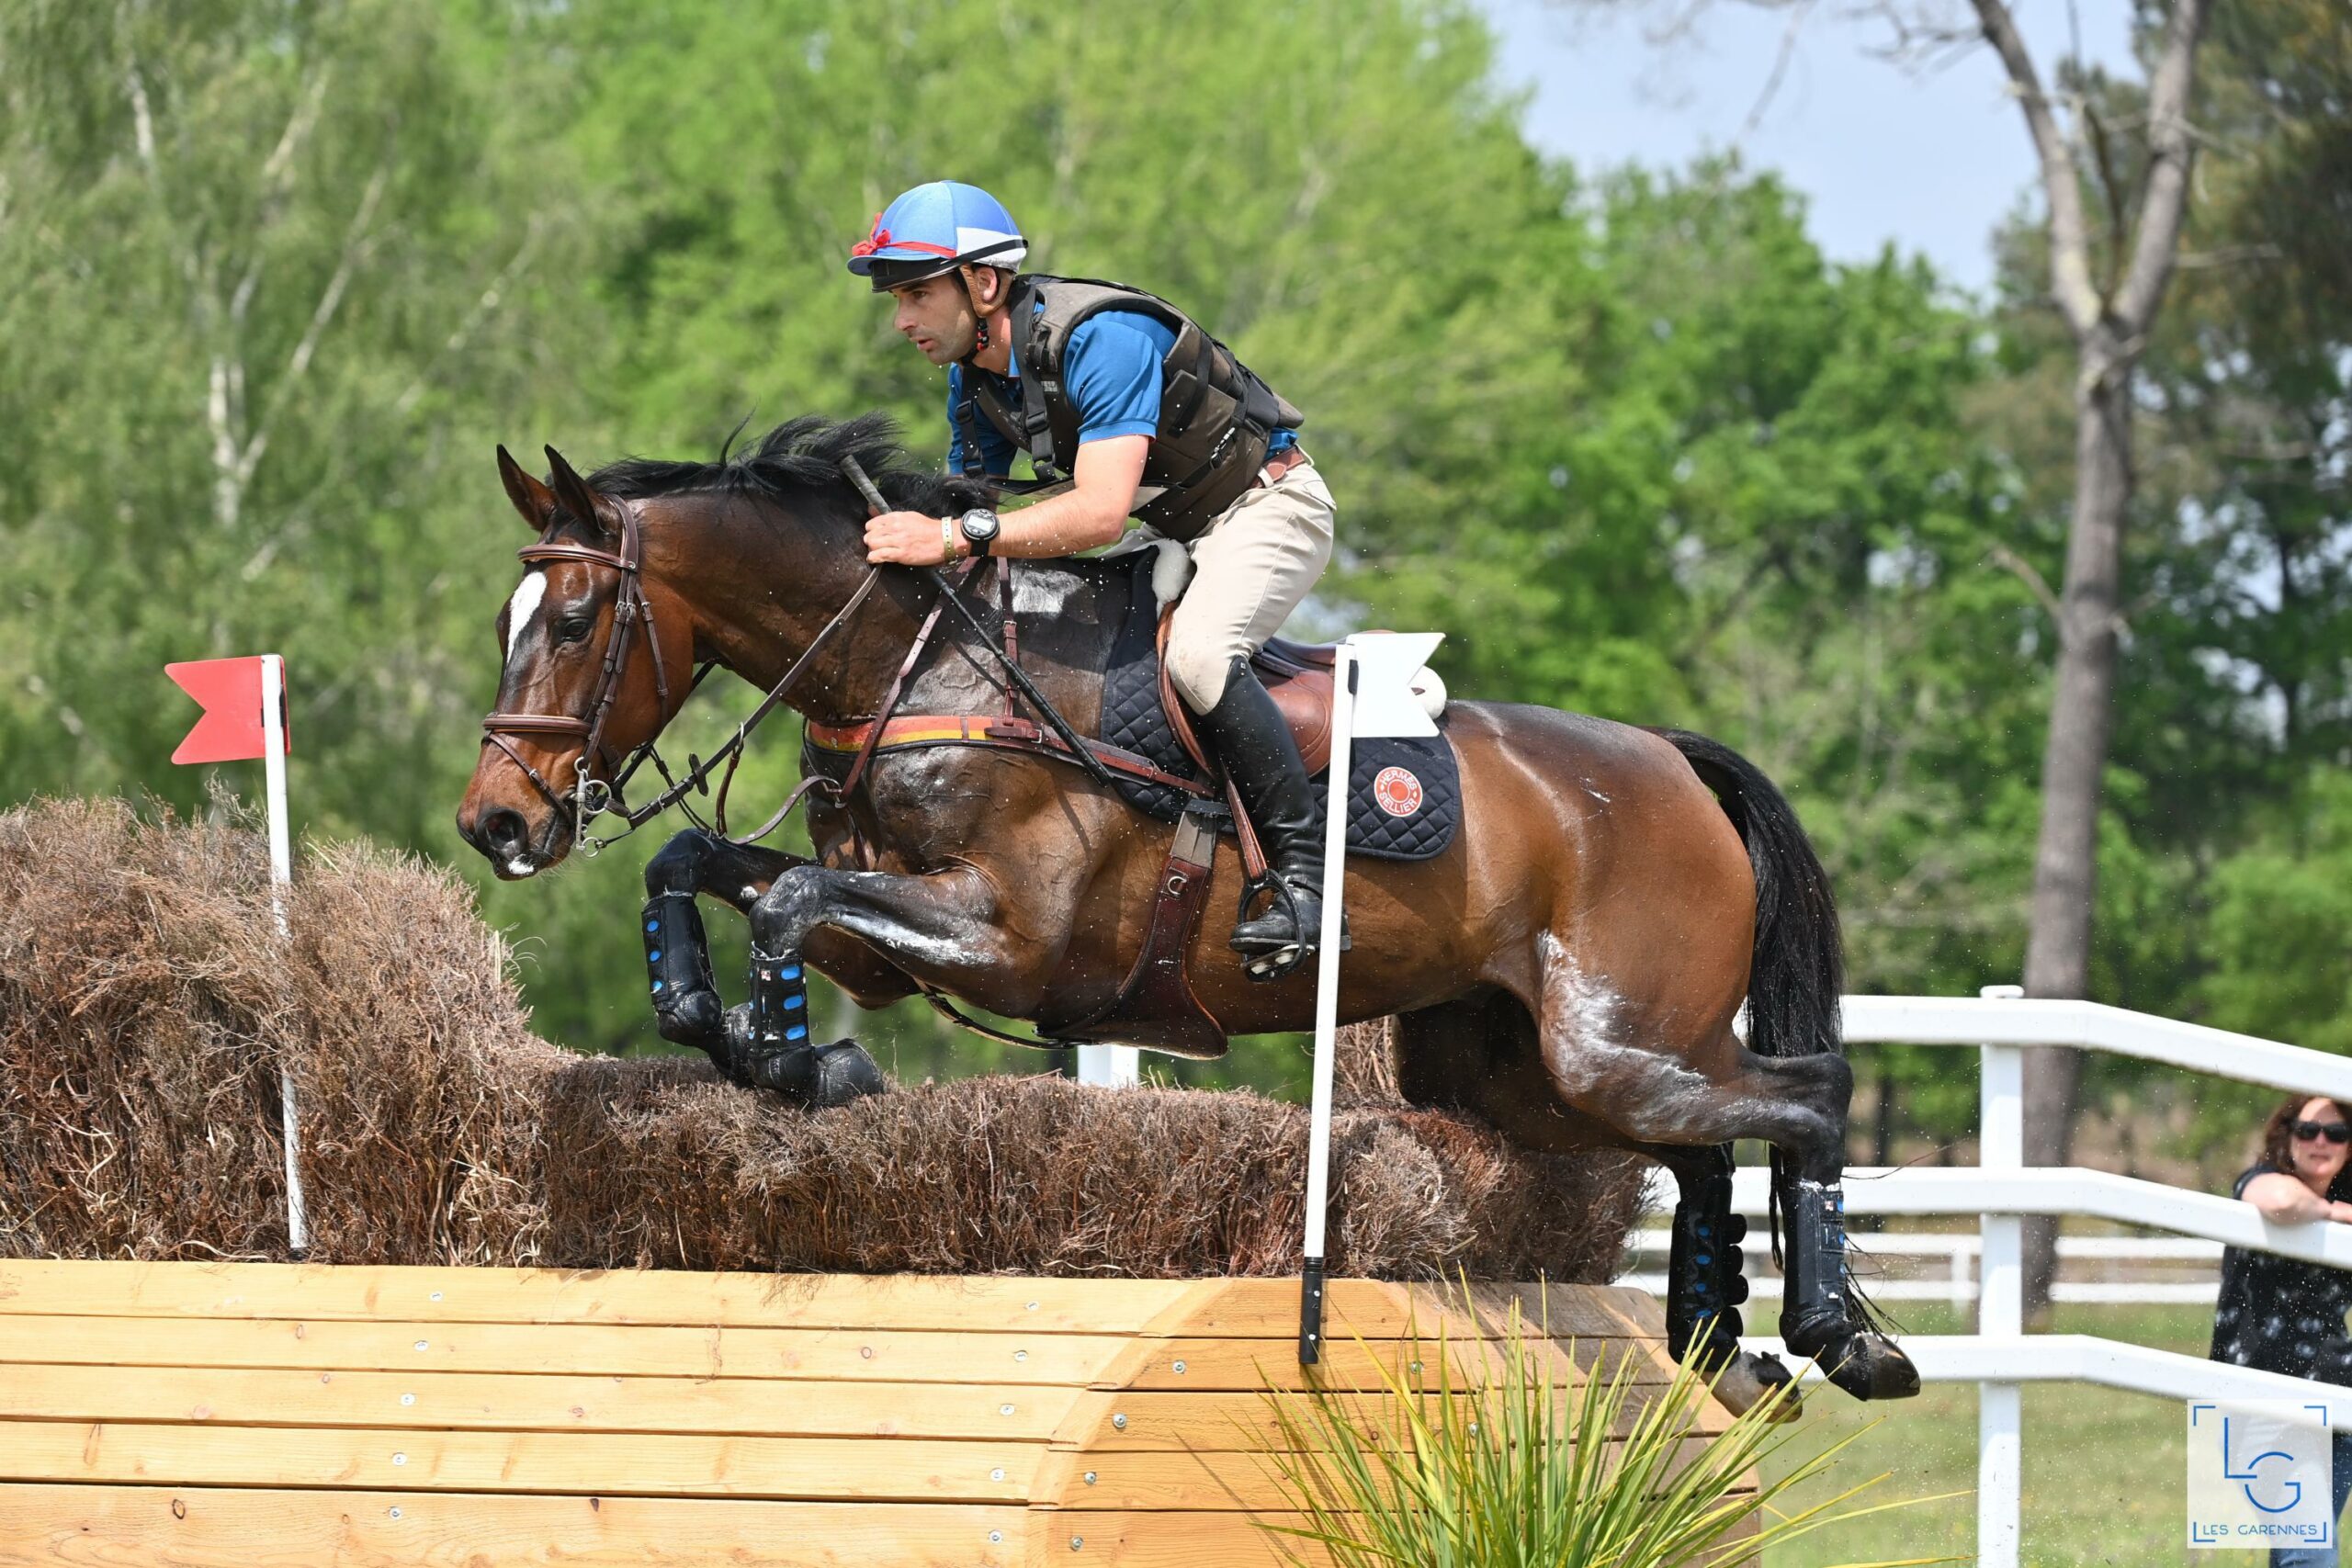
522,606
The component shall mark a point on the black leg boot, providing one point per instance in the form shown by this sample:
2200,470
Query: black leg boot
1252,742
1817,1316
686,1008
769,1046
1705,1284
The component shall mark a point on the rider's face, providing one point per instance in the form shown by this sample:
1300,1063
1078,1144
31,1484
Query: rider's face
936,315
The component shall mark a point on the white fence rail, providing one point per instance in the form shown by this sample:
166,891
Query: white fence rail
2001,1189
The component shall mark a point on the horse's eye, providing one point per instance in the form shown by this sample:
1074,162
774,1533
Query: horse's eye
573,628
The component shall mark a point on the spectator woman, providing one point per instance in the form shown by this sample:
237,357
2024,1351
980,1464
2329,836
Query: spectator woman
2283,1314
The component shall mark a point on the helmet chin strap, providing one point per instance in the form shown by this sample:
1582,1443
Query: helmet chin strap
980,337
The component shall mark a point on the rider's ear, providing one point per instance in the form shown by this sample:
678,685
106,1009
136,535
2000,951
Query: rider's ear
532,499
573,493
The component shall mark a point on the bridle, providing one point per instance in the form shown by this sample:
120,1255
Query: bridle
592,797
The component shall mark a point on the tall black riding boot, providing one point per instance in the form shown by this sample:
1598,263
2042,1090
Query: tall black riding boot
1252,742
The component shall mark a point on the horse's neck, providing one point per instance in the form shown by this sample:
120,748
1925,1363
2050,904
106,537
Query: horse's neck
762,589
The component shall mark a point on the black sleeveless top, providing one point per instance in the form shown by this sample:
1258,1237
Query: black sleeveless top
2282,1314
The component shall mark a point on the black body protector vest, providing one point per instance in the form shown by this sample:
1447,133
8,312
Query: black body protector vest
1215,415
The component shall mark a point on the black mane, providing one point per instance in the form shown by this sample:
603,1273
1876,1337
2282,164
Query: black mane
797,458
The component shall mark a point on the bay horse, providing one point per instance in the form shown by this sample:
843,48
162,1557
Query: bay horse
1570,968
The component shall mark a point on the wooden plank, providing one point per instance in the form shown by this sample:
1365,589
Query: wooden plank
1213,1538
521,1403
825,1355
811,1468
134,1527
1205,1420
1252,1364
1203,1480
599,1349
1257,1308
979,1303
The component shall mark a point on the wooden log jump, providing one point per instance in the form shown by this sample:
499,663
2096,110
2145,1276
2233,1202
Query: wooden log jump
247,1414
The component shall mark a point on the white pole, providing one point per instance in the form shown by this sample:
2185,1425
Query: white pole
2000,1304
1327,1004
1110,1067
281,873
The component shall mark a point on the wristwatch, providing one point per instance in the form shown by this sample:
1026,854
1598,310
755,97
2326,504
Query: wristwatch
981,529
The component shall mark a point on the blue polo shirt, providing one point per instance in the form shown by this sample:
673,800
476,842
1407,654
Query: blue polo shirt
1110,372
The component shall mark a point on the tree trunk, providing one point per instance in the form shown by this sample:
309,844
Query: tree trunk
2066,867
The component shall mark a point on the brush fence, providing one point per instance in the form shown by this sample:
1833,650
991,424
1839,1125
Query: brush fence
259,1414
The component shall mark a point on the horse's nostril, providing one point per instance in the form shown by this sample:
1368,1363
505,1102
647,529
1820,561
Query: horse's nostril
502,833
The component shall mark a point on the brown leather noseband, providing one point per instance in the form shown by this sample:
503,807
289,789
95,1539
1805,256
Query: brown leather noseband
591,794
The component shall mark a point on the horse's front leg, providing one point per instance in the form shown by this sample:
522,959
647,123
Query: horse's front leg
686,1005
941,929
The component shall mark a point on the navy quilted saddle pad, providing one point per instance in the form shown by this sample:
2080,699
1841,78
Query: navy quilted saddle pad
1404,793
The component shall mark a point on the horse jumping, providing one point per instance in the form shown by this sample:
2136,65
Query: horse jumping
1570,968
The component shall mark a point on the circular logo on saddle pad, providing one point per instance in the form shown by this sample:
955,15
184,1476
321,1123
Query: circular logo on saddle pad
1397,791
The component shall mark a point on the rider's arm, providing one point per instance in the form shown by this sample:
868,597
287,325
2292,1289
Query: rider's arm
1092,512
2284,1201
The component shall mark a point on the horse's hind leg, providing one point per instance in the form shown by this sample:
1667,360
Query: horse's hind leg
1705,1283
1482,1054
1628,1067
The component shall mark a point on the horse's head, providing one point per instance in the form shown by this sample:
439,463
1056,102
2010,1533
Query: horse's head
596,659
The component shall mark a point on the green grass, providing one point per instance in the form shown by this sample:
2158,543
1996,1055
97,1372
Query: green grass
2103,1468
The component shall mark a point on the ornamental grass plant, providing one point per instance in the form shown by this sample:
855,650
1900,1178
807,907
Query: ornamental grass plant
1511,1466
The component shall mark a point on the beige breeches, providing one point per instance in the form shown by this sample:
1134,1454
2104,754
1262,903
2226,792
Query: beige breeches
1250,570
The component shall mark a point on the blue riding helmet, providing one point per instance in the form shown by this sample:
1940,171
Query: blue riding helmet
935,229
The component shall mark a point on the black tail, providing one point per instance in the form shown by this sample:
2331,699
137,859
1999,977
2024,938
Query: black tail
1799,966
1798,970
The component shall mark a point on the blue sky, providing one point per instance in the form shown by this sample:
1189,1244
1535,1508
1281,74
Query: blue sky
1930,161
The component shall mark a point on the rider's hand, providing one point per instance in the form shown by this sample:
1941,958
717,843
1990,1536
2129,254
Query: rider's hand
2340,1213
907,538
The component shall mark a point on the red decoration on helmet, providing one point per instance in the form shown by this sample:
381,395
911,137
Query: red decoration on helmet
874,242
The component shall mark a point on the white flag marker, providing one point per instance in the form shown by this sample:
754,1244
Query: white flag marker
1371,695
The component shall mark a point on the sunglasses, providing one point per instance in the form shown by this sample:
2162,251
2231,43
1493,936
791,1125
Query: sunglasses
2334,1131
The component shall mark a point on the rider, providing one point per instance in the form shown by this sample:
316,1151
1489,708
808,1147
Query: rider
1146,416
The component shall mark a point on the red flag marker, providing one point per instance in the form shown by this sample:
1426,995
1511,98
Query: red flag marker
228,690
244,718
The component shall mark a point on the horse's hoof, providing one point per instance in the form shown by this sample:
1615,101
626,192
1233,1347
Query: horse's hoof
1750,1379
693,1018
1870,1365
816,1076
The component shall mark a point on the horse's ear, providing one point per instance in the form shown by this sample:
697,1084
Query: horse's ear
532,499
572,492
